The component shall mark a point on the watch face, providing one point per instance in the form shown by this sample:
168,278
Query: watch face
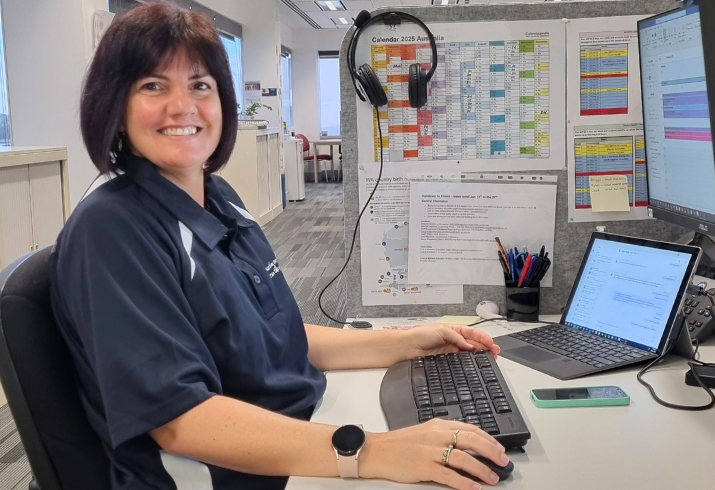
348,440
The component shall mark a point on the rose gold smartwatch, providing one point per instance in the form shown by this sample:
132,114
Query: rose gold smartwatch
348,441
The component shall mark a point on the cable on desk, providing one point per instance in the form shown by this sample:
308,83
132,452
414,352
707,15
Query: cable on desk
691,408
509,320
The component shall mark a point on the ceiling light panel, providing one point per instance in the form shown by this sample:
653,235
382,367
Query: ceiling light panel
342,22
332,5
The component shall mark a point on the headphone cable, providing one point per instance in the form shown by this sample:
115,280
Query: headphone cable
362,21
356,324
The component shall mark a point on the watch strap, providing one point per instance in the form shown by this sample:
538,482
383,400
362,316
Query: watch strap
348,466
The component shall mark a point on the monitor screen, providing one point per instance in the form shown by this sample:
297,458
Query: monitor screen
626,292
679,147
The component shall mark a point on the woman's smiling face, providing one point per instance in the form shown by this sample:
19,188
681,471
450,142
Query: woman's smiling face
174,117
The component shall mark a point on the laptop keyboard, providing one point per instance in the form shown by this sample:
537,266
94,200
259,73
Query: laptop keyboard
580,346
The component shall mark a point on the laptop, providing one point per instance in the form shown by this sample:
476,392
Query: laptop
622,309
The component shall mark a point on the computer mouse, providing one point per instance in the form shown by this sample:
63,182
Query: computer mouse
503,472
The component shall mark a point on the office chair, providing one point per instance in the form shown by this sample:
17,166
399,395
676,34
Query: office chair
37,375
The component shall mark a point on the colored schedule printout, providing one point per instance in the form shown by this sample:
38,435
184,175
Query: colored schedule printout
604,73
495,101
604,115
607,150
384,240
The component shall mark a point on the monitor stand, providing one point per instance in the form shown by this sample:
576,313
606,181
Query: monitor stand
683,343
706,266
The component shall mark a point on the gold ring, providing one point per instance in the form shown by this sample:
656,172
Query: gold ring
445,455
454,438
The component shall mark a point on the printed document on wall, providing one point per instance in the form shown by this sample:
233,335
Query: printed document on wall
495,101
454,225
604,117
384,242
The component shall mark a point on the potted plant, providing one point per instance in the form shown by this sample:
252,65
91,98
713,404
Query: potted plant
251,111
246,117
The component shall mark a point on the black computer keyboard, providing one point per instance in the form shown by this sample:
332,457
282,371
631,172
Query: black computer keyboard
581,346
467,386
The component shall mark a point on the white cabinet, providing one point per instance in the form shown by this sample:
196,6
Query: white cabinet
254,171
295,175
34,199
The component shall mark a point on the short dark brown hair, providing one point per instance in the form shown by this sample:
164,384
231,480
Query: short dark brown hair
136,43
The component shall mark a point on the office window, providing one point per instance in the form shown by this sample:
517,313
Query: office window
233,48
287,91
329,93
5,132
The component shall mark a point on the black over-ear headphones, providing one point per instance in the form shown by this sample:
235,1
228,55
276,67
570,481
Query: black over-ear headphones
365,77
372,89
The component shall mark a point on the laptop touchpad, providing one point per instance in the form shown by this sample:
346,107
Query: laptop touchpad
533,354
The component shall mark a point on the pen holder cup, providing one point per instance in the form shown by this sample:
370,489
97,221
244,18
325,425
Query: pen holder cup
522,304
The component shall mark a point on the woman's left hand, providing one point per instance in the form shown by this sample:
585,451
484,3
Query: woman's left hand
441,338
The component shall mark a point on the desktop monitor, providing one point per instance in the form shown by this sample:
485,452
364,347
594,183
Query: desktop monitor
677,56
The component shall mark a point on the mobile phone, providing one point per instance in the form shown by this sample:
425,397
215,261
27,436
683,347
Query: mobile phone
593,396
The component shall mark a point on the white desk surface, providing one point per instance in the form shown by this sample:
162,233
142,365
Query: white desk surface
641,446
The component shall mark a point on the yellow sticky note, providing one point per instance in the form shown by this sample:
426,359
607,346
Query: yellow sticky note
609,193
458,320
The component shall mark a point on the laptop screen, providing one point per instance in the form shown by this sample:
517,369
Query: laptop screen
627,292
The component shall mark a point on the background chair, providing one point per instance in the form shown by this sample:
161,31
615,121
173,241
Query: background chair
38,378
309,159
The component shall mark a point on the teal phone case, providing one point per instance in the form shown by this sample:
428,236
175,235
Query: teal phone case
582,402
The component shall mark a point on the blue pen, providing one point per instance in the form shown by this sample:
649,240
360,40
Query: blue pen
534,263
520,259
512,265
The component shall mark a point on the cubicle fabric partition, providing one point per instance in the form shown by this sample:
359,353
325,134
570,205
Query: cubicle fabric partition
571,238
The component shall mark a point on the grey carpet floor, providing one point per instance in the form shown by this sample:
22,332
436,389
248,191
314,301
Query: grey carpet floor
14,468
308,240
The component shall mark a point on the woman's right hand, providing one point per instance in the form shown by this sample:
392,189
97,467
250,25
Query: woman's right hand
414,454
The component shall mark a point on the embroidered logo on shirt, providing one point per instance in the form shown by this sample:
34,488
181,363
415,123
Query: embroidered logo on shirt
272,268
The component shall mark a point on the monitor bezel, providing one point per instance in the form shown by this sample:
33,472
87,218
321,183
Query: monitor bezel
694,253
707,11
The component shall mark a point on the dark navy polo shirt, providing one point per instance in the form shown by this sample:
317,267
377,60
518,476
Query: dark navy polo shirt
164,304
